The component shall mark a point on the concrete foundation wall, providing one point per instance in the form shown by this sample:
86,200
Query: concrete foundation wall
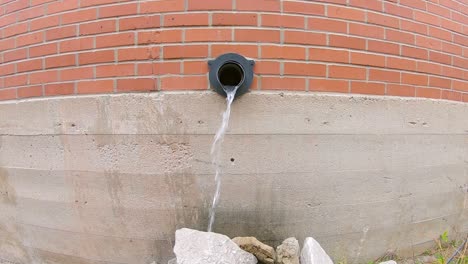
108,179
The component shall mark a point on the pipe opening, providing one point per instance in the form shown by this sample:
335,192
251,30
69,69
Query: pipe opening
231,74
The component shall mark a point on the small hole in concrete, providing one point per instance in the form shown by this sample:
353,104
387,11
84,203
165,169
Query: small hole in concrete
232,159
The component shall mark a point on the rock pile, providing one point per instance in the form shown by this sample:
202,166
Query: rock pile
197,247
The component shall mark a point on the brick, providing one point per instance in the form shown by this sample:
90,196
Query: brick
440,33
30,13
305,69
186,19
440,57
145,68
453,72
166,67
15,29
184,82
132,54
401,90
465,97
59,89
451,95
7,69
346,72
185,51
307,8
246,50
61,33
137,84
160,36
7,19
44,22
60,61
283,52
376,5
15,6
257,35
347,42
460,39
40,2
399,36
426,18
430,43
437,9
14,55
94,57
346,13
451,48
429,67
462,18
396,10
460,85
29,65
384,76
284,21
460,62
77,74
330,55
43,77
440,82
258,5
15,80
327,25
7,94
283,83
383,20
428,93
400,63
163,6
366,59
413,52
306,38
116,70
98,27
197,67
366,30
208,35
267,67
413,27
63,5
209,5
367,88
140,22
77,44
85,3
95,86
30,91
383,47
79,16
115,40
7,44
416,79
418,4
325,85
118,10
234,19
29,39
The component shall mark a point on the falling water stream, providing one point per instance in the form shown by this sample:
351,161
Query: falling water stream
216,150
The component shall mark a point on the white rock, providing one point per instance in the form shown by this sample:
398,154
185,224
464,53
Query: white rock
313,253
197,247
388,262
288,251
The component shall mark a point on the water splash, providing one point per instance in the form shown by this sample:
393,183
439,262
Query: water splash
216,150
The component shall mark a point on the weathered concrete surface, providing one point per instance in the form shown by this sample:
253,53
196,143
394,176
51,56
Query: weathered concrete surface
109,178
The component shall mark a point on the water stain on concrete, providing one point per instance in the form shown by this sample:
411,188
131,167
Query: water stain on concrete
7,192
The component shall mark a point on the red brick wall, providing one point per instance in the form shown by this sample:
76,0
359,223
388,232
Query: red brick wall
392,47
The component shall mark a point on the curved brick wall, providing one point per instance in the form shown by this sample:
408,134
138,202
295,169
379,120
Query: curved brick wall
396,47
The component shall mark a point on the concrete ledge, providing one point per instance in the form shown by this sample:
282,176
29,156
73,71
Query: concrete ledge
108,178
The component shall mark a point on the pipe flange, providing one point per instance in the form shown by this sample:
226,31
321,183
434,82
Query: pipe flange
230,70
